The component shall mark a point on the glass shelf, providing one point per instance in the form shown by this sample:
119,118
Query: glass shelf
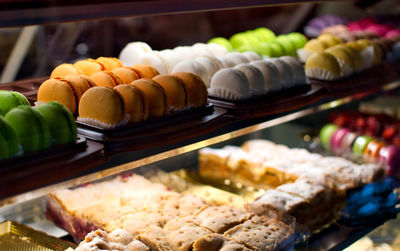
127,161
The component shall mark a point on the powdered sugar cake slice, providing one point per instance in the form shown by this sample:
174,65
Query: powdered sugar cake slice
283,202
118,240
260,233
218,242
220,218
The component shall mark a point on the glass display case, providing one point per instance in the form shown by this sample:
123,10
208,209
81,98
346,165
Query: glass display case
49,33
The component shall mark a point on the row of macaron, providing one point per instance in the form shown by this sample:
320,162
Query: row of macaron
251,80
166,60
343,141
108,103
68,82
26,129
263,41
328,58
379,125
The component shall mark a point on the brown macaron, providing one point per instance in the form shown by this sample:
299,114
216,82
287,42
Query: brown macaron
126,74
106,78
135,102
176,91
146,71
196,89
155,95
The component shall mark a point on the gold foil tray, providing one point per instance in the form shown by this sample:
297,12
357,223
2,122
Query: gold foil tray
17,237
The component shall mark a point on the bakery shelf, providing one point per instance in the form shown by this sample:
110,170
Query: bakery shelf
121,162
25,12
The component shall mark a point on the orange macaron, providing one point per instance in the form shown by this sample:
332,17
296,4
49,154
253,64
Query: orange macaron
89,66
146,71
65,69
106,78
126,74
135,103
109,63
101,106
196,89
155,95
176,91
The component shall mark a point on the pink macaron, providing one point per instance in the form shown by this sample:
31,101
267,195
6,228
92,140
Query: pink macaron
390,156
336,140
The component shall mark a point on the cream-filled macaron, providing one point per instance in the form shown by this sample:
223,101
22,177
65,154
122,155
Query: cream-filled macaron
129,54
193,67
210,66
230,84
251,56
285,72
255,78
270,73
299,75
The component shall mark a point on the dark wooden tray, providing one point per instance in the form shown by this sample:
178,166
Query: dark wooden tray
274,103
29,172
370,80
27,87
167,130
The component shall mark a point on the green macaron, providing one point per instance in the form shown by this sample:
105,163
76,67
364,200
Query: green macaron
360,144
30,127
298,39
60,121
287,44
264,34
11,99
277,49
265,49
326,133
239,40
221,41
8,140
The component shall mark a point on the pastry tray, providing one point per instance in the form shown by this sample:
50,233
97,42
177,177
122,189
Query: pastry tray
273,103
370,80
27,87
18,237
32,171
150,133
54,152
